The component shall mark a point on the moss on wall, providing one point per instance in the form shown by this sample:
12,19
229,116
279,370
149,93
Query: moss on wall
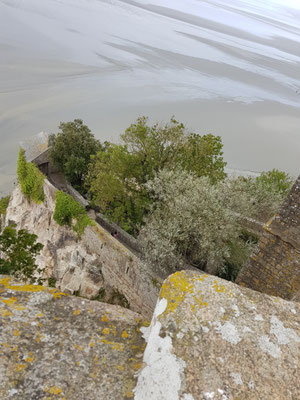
31,179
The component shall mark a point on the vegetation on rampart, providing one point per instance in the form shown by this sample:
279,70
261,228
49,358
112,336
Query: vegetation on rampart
30,178
167,186
69,212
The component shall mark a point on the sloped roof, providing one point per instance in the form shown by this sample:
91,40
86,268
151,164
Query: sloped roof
35,145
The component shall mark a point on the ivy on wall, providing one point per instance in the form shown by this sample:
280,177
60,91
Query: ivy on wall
31,179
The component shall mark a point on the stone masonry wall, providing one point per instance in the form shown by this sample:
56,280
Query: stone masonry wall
274,267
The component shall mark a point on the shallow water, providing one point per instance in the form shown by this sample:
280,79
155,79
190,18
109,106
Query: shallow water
232,70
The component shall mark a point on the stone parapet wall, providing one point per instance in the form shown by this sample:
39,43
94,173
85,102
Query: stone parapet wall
274,267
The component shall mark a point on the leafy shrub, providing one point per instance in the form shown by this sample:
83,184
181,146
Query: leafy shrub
189,224
31,179
19,249
52,281
4,201
67,210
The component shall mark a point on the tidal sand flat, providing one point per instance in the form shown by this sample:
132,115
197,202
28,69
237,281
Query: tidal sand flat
232,69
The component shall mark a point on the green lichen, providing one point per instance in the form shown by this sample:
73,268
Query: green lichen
68,210
31,179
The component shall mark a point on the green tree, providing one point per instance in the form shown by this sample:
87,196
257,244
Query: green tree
117,175
71,149
30,178
276,181
114,183
18,252
189,224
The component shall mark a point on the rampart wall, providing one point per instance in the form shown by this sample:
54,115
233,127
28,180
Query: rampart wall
274,267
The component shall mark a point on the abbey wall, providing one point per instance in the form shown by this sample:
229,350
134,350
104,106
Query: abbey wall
274,267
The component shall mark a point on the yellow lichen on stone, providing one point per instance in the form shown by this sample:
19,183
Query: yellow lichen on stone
76,312
29,359
124,335
16,332
55,390
175,289
9,301
114,345
104,318
20,367
5,313
105,331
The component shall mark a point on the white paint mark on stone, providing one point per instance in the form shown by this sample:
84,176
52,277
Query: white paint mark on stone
237,377
229,332
205,329
187,397
283,335
293,311
221,360
162,365
222,310
12,392
209,395
258,317
160,307
236,310
179,335
269,347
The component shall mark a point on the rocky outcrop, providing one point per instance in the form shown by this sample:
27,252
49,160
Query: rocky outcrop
55,346
97,264
212,339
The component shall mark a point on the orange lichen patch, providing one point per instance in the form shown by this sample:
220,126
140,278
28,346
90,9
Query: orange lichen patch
20,367
55,390
9,301
222,289
105,331
104,318
57,294
124,335
29,359
129,395
114,345
5,313
21,288
78,347
137,366
76,312
38,337
16,332
175,289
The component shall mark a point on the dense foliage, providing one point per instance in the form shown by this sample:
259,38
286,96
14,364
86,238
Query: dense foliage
189,224
71,149
118,173
18,251
30,178
67,210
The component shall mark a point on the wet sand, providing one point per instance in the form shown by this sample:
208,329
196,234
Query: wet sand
219,76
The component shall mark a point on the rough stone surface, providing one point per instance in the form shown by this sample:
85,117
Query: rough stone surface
212,339
274,267
54,346
96,261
